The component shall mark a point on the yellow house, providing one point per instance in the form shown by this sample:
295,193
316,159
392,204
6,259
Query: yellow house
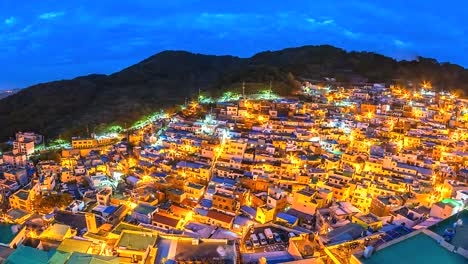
409,141
265,214
368,221
375,167
21,199
368,108
304,201
361,198
193,190
58,232
83,143
340,191
193,171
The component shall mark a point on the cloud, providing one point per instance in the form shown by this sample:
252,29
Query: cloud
350,33
399,43
330,26
10,21
51,15
325,22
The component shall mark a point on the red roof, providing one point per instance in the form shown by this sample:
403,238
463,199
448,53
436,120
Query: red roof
165,220
220,216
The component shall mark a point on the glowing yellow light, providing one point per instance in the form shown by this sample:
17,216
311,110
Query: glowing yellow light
132,205
147,178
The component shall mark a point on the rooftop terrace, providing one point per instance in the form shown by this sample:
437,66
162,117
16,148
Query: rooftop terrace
461,236
137,241
417,249
7,234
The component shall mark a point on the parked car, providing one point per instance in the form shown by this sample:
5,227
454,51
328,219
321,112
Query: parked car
268,233
277,237
248,244
254,239
262,239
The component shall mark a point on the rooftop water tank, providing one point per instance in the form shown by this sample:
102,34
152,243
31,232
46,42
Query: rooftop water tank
368,252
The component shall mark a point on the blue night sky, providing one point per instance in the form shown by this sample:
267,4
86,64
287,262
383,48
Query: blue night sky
49,40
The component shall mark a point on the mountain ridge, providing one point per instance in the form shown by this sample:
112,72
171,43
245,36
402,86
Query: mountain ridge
68,107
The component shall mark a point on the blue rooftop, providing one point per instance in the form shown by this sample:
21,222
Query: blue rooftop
206,203
290,219
249,210
226,181
185,164
423,171
110,209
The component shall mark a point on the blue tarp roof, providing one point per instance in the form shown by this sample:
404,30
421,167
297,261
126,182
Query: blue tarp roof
241,220
159,174
206,203
223,180
418,169
408,180
249,210
201,211
189,165
110,209
287,217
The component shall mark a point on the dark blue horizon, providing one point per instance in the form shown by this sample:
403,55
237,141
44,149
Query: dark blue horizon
52,40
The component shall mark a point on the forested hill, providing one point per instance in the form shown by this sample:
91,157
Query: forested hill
67,107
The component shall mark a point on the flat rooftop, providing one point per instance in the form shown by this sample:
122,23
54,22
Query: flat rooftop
461,236
124,226
183,250
417,249
137,241
7,233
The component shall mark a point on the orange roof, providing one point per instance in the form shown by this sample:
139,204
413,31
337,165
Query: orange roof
177,210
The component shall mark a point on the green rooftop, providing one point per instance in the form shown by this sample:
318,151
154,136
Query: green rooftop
417,249
16,213
124,226
461,236
22,194
7,233
136,241
452,202
81,258
74,245
144,209
59,257
28,255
